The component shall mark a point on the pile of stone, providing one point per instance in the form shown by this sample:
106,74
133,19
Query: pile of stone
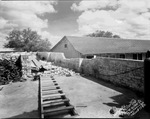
129,110
56,70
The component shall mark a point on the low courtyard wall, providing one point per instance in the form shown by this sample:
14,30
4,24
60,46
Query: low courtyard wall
123,72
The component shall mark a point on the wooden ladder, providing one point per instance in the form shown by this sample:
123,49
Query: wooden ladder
53,101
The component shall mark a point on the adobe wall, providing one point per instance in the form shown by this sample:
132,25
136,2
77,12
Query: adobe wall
123,72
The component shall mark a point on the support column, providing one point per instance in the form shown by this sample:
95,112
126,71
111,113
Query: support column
147,84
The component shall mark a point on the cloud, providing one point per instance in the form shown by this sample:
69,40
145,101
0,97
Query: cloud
5,23
94,5
129,19
52,38
24,14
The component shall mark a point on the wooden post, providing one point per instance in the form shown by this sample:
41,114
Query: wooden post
147,84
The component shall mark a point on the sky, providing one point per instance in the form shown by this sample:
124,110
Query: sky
129,19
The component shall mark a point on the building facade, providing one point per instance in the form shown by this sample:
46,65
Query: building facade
67,48
88,47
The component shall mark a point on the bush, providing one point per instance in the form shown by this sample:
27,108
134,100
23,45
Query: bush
9,71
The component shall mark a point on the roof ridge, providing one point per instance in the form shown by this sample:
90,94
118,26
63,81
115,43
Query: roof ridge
109,38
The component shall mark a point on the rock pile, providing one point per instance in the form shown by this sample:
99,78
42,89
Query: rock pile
128,110
56,70
59,71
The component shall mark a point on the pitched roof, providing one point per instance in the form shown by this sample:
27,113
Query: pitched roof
97,45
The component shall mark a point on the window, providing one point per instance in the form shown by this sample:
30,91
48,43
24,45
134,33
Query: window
90,56
65,46
122,55
134,56
140,56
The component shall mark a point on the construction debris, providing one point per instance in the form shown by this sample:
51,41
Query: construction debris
113,110
56,70
53,70
129,110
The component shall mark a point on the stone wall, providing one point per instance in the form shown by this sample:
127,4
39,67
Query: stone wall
69,63
127,73
124,72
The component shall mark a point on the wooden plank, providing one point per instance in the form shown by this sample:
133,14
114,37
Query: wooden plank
50,115
51,92
42,115
50,85
55,90
53,104
58,109
44,82
49,81
55,86
53,95
55,101
37,63
50,88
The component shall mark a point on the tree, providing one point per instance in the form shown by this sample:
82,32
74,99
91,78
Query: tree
27,40
100,33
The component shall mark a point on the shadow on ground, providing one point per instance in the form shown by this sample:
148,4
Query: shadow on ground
126,94
122,99
32,114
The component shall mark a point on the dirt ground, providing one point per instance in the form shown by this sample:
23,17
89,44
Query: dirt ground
19,100
90,97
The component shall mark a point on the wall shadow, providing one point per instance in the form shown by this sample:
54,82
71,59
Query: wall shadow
118,100
122,99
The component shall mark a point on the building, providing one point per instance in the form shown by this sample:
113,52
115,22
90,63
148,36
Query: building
87,47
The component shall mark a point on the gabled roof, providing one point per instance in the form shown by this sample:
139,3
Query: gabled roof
97,45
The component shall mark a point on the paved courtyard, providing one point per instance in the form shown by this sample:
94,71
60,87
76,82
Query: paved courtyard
93,98
90,97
